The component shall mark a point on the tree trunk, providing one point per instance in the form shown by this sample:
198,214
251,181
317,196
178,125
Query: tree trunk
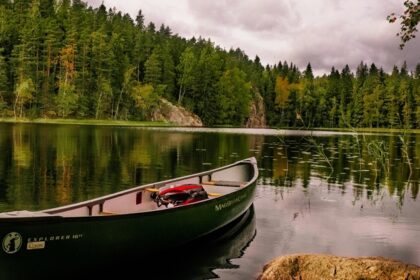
118,104
98,106
181,94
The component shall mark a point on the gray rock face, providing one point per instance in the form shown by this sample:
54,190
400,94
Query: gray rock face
177,115
312,266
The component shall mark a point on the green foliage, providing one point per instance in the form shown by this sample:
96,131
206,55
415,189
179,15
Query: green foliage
153,69
185,70
409,21
66,100
3,84
3,76
103,97
65,59
235,97
146,99
23,96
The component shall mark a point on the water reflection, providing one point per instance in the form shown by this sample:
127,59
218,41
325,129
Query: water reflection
44,165
343,161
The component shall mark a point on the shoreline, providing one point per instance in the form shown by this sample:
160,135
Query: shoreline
87,122
171,125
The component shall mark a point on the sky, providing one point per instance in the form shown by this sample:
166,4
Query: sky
325,33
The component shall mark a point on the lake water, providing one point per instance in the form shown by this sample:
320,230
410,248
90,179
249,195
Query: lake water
334,193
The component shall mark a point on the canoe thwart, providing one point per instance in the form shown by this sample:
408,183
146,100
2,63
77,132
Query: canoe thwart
224,183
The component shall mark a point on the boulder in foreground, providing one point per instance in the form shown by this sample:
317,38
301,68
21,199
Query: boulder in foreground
311,266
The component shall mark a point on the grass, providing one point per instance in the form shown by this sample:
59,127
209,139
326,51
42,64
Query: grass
372,130
87,122
352,129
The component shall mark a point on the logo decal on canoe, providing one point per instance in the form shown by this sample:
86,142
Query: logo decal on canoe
35,245
12,242
229,203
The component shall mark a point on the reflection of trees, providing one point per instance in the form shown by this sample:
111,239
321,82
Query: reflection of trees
15,150
22,154
56,165
66,148
44,166
356,163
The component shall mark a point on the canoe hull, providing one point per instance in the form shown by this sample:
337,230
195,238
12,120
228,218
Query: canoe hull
142,233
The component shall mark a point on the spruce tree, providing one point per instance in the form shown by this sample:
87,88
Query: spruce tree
357,104
140,20
153,69
392,101
3,83
186,69
346,90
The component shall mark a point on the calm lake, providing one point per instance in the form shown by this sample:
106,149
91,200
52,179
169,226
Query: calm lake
335,193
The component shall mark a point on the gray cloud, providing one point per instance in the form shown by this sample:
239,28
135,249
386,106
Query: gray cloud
325,32
252,16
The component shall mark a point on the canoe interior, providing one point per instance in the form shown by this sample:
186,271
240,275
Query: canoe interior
217,183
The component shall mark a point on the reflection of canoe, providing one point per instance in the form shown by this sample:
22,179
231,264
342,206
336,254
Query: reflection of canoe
200,259
230,244
130,219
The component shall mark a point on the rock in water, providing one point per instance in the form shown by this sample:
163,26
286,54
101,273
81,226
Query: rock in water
311,266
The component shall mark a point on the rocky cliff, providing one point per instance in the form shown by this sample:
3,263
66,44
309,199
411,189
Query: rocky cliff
177,115
257,117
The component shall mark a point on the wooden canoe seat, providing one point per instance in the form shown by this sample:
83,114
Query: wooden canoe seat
152,190
213,194
224,183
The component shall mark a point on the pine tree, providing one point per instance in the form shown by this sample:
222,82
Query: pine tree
307,74
67,97
186,69
371,92
346,90
51,56
269,95
101,60
168,73
204,95
24,95
357,104
153,69
140,20
308,100
392,101
235,97
3,83
151,28
333,96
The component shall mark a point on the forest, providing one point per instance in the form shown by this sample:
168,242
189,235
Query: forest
64,59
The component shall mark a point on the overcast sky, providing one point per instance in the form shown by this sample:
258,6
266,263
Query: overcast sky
324,32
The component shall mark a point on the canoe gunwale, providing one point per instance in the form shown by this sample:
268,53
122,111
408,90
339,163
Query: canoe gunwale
54,212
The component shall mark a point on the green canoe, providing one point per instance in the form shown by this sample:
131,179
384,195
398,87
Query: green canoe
138,219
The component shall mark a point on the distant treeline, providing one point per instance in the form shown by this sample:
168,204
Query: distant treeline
65,59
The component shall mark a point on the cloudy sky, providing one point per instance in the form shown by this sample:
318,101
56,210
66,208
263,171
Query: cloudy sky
324,32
